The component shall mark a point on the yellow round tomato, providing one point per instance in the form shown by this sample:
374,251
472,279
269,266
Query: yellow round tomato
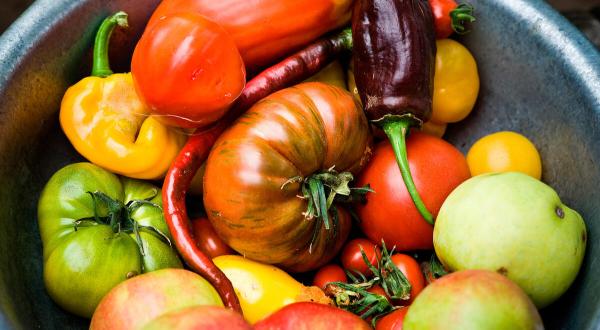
456,82
504,152
433,128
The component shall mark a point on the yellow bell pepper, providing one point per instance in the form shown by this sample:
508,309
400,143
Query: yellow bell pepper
263,289
109,125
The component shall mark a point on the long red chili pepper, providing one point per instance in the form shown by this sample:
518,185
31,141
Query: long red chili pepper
290,71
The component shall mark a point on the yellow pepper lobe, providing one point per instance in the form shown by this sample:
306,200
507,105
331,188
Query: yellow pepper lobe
109,125
263,289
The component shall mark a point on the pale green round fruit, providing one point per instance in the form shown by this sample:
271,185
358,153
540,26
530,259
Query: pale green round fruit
515,225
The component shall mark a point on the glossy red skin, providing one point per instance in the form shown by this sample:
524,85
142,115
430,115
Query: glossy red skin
311,316
208,240
188,70
352,259
392,321
441,12
290,71
265,30
294,133
437,168
329,273
412,271
199,317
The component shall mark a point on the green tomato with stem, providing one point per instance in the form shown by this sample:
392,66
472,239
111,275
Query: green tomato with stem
98,230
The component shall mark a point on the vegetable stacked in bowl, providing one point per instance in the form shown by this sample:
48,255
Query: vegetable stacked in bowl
296,120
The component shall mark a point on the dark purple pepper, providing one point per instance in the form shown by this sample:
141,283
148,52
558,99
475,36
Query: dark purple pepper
394,63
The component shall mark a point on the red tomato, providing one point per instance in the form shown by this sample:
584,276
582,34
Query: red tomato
188,70
392,321
426,270
441,12
327,274
352,257
207,239
412,271
377,289
311,315
437,168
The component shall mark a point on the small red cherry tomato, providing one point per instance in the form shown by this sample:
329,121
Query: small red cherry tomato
327,274
352,257
412,271
207,239
377,289
392,321
188,70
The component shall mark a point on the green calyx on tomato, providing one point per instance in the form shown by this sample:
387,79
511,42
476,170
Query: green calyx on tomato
322,189
462,14
356,297
98,230
119,216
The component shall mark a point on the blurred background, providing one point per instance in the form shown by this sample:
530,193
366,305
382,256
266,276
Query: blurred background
585,14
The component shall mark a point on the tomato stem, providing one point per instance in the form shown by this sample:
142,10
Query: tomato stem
101,65
396,128
393,281
461,15
322,189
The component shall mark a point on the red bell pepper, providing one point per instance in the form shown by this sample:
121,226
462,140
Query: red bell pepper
265,30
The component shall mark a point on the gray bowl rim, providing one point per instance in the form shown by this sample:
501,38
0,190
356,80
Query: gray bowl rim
582,56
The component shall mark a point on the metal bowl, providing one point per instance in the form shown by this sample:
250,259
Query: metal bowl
539,76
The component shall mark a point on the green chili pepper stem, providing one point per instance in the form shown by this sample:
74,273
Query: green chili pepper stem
396,129
346,38
101,65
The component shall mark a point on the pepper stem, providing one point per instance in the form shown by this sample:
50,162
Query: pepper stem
101,65
346,38
396,129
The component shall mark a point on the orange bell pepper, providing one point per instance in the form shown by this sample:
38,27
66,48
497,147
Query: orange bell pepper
108,124
265,30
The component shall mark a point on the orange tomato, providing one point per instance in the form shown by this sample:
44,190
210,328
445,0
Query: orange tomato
188,70
504,152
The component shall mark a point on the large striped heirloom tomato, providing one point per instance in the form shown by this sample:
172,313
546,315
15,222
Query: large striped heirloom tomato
271,176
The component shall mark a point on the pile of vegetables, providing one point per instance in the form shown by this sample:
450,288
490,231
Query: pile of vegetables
312,132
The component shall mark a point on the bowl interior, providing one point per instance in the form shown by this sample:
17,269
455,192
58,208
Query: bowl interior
538,76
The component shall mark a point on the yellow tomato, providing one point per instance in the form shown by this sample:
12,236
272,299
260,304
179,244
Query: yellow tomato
504,152
435,129
263,289
456,82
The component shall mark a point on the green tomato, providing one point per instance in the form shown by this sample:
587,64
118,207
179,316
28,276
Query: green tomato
98,230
